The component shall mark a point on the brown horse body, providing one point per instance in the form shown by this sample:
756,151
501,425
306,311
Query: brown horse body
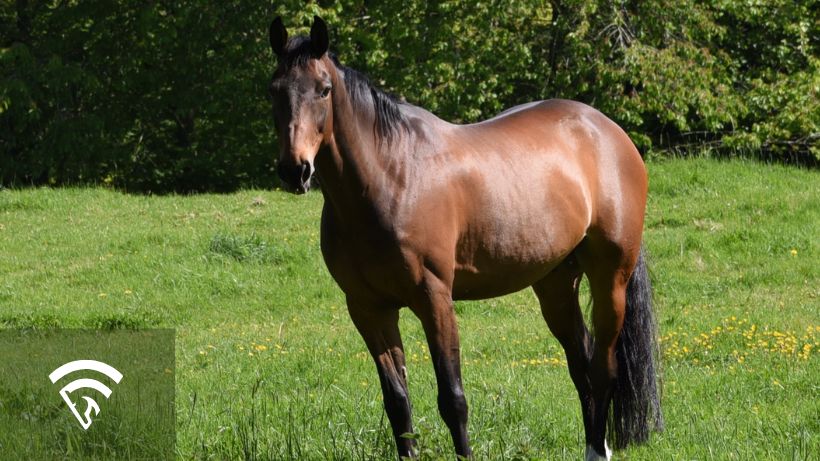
556,180
420,212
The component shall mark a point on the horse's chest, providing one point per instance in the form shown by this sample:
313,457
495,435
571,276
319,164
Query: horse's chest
362,263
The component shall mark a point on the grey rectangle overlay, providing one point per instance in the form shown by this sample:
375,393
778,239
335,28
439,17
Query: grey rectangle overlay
87,394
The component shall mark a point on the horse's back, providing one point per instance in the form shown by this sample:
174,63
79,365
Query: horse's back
572,140
563,136
537,179
600,151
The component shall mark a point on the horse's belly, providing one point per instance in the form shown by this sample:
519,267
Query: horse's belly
506,261
518,225
470,284
508,248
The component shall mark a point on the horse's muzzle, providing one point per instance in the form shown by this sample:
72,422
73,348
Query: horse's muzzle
296,177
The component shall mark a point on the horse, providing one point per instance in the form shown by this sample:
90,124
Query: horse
419,213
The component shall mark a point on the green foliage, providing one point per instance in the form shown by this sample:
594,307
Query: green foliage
139,95
155,96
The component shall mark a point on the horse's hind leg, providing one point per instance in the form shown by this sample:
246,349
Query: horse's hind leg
379,326
558,296
608,267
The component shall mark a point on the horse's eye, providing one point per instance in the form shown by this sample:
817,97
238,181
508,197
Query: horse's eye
326,91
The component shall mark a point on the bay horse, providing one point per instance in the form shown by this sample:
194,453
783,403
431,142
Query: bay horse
420,212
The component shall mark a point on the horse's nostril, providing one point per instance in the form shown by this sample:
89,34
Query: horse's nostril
305,172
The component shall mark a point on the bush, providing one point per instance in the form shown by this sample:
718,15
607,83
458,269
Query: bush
151,97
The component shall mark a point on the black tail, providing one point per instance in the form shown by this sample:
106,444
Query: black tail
636,406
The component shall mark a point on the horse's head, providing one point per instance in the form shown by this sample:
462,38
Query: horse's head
302,106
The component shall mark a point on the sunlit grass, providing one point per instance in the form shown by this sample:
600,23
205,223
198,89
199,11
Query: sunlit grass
269,365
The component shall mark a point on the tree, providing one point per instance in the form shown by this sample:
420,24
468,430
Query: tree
158,96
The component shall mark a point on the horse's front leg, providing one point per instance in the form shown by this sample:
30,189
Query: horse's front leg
379,326
434,307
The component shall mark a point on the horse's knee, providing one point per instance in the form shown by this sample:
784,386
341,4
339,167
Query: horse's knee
396,399
452,404
453,408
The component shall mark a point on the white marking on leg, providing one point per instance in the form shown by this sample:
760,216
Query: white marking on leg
593,455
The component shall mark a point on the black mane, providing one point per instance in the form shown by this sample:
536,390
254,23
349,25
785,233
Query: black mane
388,118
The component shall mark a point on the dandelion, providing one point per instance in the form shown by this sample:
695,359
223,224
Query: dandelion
793,252
127,291
805,352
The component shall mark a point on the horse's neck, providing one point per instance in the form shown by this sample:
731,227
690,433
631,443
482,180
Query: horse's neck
358,171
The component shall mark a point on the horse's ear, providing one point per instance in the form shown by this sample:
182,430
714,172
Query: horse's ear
319,41
278,36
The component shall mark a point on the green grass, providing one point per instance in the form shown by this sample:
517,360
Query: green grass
136,421
269,365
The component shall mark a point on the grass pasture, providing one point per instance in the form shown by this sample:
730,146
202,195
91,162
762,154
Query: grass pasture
269,365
